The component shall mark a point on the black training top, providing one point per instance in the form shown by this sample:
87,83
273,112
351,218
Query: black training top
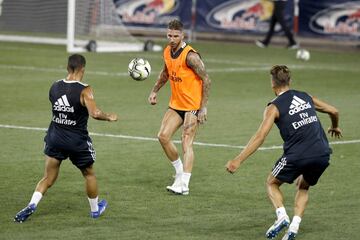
67,111
299,126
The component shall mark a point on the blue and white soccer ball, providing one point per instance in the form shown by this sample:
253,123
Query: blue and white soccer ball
139,69
303,54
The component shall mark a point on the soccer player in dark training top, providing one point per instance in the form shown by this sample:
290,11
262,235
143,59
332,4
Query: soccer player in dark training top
67,137
306,148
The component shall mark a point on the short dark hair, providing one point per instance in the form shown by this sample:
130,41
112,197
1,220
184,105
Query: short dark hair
76,62
175,24
280,75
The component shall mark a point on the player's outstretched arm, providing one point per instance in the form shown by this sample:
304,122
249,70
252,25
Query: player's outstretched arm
270,114
163,78
87,100
194,61
333,113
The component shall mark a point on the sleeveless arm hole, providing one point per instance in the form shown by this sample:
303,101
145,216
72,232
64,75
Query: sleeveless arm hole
191,51
82,97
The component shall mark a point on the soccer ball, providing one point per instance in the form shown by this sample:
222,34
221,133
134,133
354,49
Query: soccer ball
139,69
303,54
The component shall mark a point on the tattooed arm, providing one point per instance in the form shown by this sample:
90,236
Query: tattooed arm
194,61
163,78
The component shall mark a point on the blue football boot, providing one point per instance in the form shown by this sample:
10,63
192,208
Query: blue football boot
102,206
25,213
276,228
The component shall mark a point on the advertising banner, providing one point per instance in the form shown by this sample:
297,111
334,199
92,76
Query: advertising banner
153,13
320,18
330,18
248,16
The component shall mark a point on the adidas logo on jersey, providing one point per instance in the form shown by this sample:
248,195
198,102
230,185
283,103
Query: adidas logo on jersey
62,105
298,105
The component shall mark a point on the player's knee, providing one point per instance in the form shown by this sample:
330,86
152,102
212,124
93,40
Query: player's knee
187,137
302,185
163,138
269,181
90,177
88,172
268,184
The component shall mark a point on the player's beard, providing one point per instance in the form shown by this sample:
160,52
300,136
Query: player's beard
174,46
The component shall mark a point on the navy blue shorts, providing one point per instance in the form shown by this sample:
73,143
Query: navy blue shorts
287,169
78,149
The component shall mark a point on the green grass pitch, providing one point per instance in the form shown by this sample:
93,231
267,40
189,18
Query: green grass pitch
133,173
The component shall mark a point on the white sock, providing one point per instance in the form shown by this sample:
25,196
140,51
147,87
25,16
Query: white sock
186,178
94,204
36,197
280,212
178,166
295,223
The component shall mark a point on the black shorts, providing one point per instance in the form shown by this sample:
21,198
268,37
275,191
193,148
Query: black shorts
288,169
182,113
78,149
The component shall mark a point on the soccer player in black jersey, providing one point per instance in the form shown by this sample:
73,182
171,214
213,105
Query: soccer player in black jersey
67,137
306,148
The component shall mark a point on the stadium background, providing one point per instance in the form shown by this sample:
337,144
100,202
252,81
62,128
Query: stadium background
131,167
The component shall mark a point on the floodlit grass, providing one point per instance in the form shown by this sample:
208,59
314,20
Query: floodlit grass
132,174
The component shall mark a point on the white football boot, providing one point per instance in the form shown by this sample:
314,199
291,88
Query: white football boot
178,187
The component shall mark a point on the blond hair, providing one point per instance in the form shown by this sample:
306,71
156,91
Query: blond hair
281,75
